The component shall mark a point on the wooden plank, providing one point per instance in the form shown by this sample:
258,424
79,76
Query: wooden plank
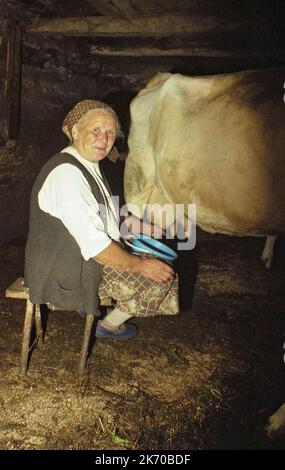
182,52
12,84
163,25
17,290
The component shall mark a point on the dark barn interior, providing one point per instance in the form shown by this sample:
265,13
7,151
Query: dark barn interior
207,379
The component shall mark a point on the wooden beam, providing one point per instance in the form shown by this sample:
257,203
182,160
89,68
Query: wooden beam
10,116
164,25
185,52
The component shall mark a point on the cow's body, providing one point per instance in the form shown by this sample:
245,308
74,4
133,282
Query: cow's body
216,141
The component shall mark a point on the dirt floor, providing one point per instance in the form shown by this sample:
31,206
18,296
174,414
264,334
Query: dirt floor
206,379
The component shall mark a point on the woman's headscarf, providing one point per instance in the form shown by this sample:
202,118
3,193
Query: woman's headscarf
79,110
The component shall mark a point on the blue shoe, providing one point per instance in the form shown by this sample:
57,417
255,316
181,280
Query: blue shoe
125,331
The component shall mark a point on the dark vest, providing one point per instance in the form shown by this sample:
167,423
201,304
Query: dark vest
55,270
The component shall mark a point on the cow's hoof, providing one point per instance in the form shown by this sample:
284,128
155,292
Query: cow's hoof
276,426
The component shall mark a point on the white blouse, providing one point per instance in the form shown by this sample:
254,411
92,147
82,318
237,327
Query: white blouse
66,194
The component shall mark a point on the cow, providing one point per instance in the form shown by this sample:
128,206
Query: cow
215,141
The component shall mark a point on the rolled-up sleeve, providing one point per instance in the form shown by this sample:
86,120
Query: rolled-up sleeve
67,195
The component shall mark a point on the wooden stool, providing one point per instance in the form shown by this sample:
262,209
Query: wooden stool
19,291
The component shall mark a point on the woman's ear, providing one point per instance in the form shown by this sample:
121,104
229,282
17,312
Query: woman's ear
74,133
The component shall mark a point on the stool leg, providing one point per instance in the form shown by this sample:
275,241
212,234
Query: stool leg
28,323
85,343
38,322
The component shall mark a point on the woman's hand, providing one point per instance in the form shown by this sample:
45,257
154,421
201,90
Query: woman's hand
117,257
136,225
156,270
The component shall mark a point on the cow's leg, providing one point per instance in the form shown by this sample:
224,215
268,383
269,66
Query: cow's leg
268,251
276,425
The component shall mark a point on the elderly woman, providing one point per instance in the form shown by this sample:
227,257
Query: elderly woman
73,253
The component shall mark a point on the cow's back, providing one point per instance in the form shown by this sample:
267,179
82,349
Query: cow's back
216,141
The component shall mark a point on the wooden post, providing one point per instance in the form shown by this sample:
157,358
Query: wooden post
38,323
28,323
85,343
12,84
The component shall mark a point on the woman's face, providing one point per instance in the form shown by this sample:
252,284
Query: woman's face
95,135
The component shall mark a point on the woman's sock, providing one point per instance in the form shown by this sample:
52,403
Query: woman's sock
114,319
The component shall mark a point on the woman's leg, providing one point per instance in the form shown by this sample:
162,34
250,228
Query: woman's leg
138,296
